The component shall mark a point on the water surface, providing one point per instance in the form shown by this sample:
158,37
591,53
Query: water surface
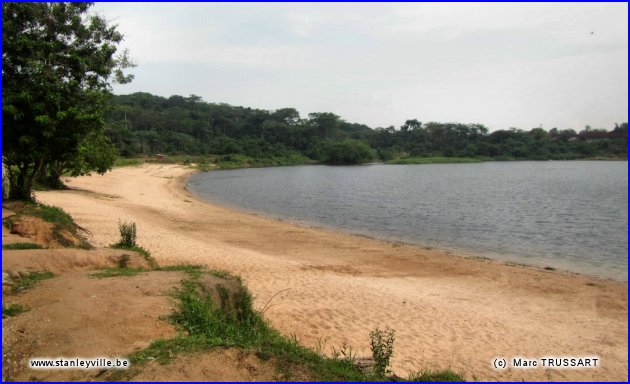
570,215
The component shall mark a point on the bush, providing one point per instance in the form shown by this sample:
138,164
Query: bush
382,346
347,152
127,234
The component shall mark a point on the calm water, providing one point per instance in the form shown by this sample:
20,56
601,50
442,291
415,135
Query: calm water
569,215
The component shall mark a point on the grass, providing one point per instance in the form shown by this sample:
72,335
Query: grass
60,219
436,160
29,281
21,246
127,162
207,325
136,248
437,375
114,272
12,310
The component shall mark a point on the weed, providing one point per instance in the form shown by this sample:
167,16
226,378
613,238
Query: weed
114,272
12,310
382,346
28,281
136,248
437,375
20,246
127,234
123,261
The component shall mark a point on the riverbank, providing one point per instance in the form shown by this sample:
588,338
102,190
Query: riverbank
448,311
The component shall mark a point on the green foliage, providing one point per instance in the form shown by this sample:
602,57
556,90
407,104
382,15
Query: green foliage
21,246
347,152
62,221
123,261
223,136
115,272
382,346
435,160
127,234
29,280
136,248
57,64
127,162
53,214
12,310
438,375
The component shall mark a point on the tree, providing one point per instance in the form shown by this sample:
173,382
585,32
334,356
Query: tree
57,65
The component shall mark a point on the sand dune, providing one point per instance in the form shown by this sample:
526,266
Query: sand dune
448,311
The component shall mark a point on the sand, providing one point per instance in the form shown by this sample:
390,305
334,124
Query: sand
447,310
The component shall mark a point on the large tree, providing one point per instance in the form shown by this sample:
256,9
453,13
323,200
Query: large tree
58,61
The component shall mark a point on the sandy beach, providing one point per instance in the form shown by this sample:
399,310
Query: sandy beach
447,310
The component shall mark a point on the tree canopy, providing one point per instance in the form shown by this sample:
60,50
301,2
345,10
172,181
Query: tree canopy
145,124
57,65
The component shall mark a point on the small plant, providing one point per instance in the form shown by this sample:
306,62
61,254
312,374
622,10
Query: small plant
123,261
12,310
344,353
437,375
382,346
115,272
21,246
127,234
28,281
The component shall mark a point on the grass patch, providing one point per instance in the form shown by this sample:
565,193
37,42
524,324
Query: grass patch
136,248
25,282
21,246
436,160
12,310
127,162
437,375
193,270
61,220
114,272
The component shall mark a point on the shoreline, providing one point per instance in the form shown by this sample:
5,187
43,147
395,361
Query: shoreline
448,310
451,251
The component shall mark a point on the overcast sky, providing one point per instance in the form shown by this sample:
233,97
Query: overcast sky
503,65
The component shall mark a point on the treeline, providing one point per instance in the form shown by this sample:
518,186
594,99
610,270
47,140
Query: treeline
142,124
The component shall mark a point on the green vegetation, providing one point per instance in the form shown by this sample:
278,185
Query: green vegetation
58,60
347,152
382,346
437,160
127,162
438,375
29,280
21,246
114,272
61,220
127,234
136,248
12,310
220,136
128,242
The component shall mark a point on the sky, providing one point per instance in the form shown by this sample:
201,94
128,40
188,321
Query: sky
504,65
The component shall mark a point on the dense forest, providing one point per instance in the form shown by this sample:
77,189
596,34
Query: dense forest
142,124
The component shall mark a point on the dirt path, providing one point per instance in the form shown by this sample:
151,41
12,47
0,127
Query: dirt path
448,311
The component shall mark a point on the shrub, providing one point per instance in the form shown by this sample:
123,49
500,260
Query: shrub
123,261
127,234
382,346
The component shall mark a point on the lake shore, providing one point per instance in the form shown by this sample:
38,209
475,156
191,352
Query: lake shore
327,287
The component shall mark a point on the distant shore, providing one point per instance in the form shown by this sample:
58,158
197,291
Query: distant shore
448,311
